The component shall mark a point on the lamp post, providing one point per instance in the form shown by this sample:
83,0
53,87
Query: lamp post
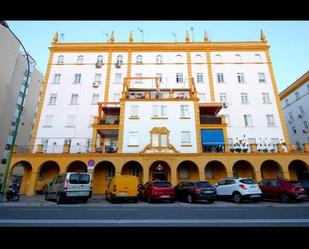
3,187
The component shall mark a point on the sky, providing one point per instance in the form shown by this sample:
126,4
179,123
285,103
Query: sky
289,40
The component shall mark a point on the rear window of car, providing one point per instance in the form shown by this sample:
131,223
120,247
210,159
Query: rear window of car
203,184
294,183
247,181
79,179
162,184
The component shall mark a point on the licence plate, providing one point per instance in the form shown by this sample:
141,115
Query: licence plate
80,193
254,196
122,193
207,192
165,196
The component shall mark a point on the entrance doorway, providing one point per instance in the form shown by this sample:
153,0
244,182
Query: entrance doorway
160,171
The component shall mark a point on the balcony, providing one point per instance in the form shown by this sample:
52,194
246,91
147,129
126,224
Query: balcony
208,119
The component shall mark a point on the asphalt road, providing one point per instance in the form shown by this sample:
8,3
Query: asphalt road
178,214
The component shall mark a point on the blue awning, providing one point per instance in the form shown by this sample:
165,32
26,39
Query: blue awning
212,137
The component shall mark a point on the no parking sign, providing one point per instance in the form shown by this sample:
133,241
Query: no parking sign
91,164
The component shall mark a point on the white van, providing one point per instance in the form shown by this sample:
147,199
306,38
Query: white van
69,186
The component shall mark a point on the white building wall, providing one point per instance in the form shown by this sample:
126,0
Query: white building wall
144,125
302,134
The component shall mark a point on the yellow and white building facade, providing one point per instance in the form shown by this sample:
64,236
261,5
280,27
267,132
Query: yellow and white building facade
169,111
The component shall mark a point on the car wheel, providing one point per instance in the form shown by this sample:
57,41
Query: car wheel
59,199
284,198
149,200
189,199
237,197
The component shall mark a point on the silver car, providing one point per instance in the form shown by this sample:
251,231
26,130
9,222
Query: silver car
70,186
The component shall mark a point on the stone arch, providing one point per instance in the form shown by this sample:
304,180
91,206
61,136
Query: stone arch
298,170
21,172
214,171
243,168
46,172
77,166
160,170
187,170
271,169
133,168
102,173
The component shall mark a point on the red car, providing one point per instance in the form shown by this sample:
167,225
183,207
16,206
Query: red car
157,190
282,189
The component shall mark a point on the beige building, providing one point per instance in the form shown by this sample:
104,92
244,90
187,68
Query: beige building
13,66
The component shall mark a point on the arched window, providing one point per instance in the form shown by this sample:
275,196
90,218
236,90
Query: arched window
139,59
198,58
119,59
80,59
100,59
218,58
237,58
257,58
60,59
159,59
178,58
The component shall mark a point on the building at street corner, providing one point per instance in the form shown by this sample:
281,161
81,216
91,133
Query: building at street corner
166,110
295,104
13,74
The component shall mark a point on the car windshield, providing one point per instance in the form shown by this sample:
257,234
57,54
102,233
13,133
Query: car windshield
203,184
295,183
79,179
162,184
248,181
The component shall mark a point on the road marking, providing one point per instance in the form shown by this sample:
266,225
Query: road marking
155,221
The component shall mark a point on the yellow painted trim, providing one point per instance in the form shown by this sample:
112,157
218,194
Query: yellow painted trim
186,145
108,76
294,86
197,126
94,139
106,127
212,126
278,102
40,107
210,77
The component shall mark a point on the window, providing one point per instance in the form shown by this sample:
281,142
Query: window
291,116
266,99
77,78
133,138
97,78
139,59
200,77
95,98
202,97
155,111
184,111
159,75
60,59
52,99
119,59
222,98
261,77
100,59
159,59
134,110
257,58
48,120
71,120
164,140
118,78
248,120
296,95
178,58
116,97
138,81
220,78
179,77
244,98
74,99
301,109
240,77
218,58
163,111
286,102
237,58
56,79
270,120
227,119
186,137
155,140
80,59
198,58
305,124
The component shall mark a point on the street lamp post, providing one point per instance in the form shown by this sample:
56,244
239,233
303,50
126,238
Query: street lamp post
3,187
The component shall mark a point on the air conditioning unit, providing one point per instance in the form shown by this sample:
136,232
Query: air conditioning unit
95,84
98,64
117,65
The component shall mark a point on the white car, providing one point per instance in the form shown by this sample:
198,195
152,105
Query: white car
238,189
